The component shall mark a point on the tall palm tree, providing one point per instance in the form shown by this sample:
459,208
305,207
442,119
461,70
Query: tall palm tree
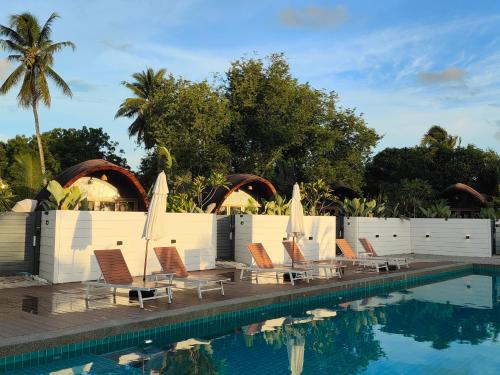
145,85
438,138
32,48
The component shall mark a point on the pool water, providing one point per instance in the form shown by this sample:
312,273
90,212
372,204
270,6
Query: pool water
447,327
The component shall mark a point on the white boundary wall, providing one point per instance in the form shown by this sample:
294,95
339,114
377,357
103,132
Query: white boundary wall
318,242
68,239
453,237
449,237
388,236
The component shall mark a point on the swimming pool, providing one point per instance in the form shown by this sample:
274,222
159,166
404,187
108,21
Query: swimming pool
449,326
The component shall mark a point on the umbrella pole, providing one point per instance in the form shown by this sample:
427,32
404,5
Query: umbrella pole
293,251
145,261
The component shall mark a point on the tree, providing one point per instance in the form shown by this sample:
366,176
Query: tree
189,118
288,131
438,138
144,86
67,147
31,46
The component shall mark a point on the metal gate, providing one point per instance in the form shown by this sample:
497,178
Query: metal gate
225,237
18,243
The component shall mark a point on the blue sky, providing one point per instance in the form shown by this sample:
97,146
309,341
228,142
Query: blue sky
404,64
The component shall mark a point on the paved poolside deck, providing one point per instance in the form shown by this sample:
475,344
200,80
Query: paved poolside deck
44,316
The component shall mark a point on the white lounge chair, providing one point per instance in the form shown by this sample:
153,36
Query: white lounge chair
263,264
350,256
116,275
173,269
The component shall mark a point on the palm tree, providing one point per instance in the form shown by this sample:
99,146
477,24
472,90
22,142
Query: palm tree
438,138
145,85
31,46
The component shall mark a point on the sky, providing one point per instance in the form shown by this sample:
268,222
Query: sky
405,65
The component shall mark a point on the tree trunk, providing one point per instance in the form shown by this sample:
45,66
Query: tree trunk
39,142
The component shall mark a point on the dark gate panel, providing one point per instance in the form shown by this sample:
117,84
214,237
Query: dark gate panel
17,246
225,237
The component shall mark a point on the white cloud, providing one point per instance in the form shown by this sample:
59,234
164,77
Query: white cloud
314,16
450,75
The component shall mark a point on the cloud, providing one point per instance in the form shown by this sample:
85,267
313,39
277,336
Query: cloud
317,17
4,69
447,76
79,85
118,46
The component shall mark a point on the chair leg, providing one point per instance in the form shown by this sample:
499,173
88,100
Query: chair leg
221,288
199,291
291,278
139,295
87,293
241,274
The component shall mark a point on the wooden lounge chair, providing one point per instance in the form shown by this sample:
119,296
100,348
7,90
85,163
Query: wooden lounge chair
350,256
263,264
116,275
329,267
370,251
173,267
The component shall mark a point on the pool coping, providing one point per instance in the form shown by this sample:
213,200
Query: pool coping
98,330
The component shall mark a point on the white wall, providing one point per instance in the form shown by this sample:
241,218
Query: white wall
448,237
270,231
68,239
388,236
445,237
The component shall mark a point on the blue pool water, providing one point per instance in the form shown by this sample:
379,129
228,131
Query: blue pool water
446,327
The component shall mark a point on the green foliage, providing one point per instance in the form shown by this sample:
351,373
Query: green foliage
6,197
194,195
27,178
490,213
437,138
144,87
32,47
67,147
406,197
361,207
259,120
438,166
277,206
439,209
316,195
251,208
62,198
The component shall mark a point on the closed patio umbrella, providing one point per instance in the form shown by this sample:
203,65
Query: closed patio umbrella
155,220
295,347
295,227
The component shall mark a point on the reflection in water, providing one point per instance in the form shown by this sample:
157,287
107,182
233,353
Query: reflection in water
439,327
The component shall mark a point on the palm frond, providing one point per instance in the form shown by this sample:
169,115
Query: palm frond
59,81
56,47
43,89
26,24
47,28
14,58
133,87
9,45
12,35
12,79
25,96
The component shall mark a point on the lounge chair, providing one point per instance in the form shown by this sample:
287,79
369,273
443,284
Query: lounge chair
116,275
329,267
350,256
263,264
173,268
370,251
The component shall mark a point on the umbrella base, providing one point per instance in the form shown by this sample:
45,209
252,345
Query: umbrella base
132,294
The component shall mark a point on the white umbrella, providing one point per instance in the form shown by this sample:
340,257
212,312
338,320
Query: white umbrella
156,214
295,348
295,227
26,205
